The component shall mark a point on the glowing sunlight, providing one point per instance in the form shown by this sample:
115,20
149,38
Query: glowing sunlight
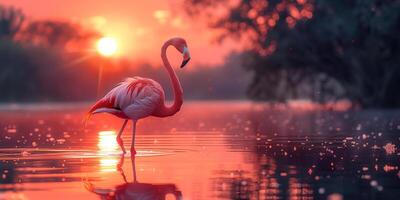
107,142
107,46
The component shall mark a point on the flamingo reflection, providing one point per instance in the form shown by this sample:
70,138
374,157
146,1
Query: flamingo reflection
135,190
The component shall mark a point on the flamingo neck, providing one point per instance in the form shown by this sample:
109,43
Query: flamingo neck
176,85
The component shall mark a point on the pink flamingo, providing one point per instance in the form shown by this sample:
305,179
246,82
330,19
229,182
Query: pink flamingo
137,97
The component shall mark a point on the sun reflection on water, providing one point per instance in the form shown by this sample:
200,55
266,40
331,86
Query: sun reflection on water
107,142
107,145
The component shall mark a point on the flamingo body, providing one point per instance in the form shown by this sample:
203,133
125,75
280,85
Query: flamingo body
134,98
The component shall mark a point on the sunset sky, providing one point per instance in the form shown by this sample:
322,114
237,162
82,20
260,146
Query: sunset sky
140,27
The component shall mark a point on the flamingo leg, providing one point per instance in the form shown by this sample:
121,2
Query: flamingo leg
133,151
119,139
134,169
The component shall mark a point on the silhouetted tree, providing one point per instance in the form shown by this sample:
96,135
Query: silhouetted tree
35,61
11,21
334,48
57,34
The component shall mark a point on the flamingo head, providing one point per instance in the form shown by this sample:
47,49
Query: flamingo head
181,46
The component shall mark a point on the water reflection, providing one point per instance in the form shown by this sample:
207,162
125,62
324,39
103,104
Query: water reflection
240,152
135,189
267,181
107,142
107,146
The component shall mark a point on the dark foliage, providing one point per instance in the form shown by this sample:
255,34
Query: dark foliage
321,50
11,21
34,63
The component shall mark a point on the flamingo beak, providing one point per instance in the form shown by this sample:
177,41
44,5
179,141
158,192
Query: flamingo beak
186,56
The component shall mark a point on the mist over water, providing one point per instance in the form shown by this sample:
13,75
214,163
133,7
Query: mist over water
209,150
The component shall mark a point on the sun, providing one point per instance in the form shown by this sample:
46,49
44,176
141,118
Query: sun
107,46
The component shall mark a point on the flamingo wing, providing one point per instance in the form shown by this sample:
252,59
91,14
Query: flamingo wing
133,98
147,100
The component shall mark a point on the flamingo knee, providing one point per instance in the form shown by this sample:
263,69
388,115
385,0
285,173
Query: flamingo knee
121,143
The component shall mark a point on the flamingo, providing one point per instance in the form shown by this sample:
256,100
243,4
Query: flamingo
136,98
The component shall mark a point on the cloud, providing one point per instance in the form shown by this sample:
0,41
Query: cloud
178,22
162,16
98,21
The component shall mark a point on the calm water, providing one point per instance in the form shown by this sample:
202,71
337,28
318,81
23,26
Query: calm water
211,150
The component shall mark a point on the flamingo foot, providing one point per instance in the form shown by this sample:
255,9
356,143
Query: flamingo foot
133,151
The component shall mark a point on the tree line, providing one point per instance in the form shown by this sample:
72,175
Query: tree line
315,49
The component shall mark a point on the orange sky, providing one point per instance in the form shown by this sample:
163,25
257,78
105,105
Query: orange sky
139,26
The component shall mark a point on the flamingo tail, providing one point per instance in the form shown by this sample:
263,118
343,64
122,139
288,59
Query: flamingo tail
105,105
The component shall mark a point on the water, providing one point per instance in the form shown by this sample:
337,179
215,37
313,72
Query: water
210,150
